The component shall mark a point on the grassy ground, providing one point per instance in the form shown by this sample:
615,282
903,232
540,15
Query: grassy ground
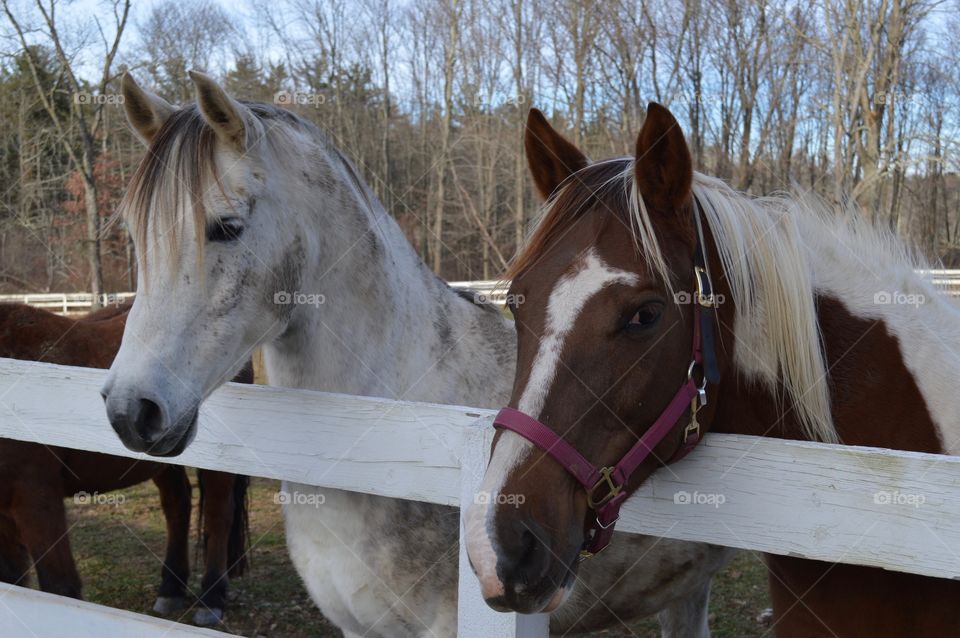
119,551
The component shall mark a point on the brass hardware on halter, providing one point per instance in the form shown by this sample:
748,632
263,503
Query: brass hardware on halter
705,299
586,553
693,428
606,479
698,401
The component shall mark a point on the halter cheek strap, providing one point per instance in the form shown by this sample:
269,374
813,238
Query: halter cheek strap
607,487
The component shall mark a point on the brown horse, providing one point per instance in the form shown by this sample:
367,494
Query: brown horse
35,478
816,327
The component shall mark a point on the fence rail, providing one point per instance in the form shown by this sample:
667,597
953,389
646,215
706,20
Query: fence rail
890,509
485,291
25,612
67,303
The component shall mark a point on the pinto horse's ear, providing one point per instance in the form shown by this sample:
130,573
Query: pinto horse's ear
551,158
145,111
223,113
663,168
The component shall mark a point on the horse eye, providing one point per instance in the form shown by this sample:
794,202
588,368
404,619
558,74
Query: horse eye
225,229
646,316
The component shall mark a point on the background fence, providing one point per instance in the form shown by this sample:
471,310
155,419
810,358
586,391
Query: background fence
485,291
890,509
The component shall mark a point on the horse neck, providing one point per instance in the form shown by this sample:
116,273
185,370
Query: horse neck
891,343
387,326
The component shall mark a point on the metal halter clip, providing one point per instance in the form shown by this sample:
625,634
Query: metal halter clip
693,428
606,479
701,389
698,401
705,299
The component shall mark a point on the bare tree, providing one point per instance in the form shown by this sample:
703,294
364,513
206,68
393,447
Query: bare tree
88,121
179,36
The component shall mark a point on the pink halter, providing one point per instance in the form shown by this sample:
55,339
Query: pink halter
606,487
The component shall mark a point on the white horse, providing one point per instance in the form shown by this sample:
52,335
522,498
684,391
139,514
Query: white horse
238,212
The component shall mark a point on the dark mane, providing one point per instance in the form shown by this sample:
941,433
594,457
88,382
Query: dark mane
599,183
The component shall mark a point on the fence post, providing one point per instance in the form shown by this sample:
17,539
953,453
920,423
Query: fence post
474,618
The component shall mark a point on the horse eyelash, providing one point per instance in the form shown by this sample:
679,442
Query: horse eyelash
225,230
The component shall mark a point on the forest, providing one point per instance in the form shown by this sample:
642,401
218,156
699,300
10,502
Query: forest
854,100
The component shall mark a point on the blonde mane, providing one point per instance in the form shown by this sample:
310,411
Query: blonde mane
771,279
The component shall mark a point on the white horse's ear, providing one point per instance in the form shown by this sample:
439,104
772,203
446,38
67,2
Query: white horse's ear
146,112
223,113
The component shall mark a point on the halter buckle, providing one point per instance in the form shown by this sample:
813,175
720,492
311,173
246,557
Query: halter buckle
697,402
702,387
705,299
693,428
606,479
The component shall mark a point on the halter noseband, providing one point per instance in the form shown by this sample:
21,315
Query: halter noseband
607,487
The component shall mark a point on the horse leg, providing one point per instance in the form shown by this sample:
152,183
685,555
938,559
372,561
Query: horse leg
41,518
175,498
14,560
218,509
688,616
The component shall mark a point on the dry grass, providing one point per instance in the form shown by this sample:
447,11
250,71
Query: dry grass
119,550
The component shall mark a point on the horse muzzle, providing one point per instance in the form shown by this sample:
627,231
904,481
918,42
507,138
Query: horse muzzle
145,424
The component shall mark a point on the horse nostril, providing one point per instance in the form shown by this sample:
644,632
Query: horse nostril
532,561
149,421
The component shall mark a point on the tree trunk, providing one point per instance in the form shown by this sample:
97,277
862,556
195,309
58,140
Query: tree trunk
519,165
94,262
449,62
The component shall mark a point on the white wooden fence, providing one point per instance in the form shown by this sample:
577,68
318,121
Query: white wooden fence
895,510
485,291
67,303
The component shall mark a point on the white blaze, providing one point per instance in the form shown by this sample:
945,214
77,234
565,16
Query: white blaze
567,300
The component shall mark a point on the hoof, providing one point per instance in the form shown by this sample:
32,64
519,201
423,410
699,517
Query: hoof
169,604
208,617
765,617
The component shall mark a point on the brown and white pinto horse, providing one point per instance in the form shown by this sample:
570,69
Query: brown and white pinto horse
826,333
35,478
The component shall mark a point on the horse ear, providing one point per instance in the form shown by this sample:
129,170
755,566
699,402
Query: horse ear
223,113
551,158
663,168
145,111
